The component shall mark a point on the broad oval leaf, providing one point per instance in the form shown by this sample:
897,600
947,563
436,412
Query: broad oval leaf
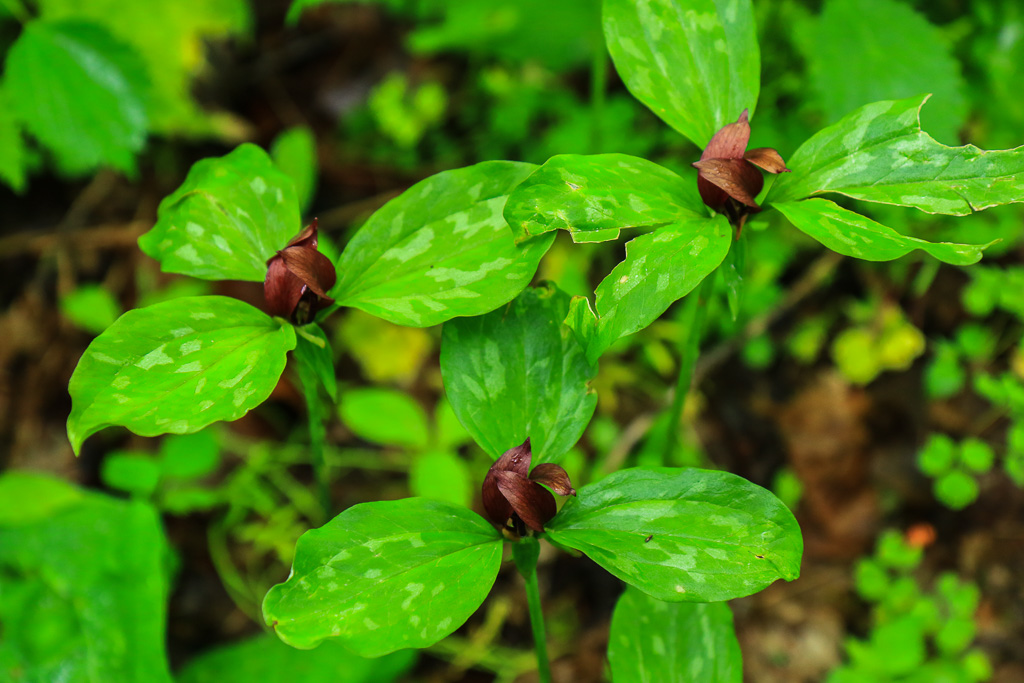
599,193
80,92
519,372
683,534
653,641
441,249
694,63
85,586
178,366
385,576
230,215
660,268
385,416
294,152
861,51
266,658
851,234
880,154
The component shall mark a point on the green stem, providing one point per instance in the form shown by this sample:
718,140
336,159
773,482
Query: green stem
691,319
525,553
317,434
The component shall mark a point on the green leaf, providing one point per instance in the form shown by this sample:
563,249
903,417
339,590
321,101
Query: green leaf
956,489
28,498
83,591
189,456
294,152
976,455
599,194
862,51
441,476
937,456
683,534
12,146
652,641
659,269
176,367
441,249
266,658
519,372
91,307
852,234
136,473
880,154
314,350
385,416
80,92
226,220
694,63
385,576
171,38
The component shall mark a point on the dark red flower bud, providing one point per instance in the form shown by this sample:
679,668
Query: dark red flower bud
298,279
729,178
513,498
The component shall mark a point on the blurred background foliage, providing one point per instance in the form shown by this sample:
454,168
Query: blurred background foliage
868,396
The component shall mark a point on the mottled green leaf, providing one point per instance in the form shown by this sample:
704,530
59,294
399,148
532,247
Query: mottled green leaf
694,63
862,51
385,576
294,152
652,641
519,372
441,476
385,416
660,268
266,658
880,154
851,234
176,367
314,349
441,249
83,591
599,193
230,215
683,534
80,92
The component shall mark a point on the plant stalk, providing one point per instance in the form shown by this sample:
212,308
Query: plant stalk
691,319
525,553
317,434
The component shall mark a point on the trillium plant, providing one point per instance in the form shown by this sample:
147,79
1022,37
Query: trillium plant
461,248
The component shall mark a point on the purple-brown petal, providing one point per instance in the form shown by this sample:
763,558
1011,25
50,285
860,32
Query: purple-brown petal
766,159
281,289
497,508
554,477
738,177
306,238
313,268
532,502
515,459
730,141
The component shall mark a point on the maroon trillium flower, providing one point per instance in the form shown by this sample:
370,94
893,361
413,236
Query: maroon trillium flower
513,494
298,279
728,178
